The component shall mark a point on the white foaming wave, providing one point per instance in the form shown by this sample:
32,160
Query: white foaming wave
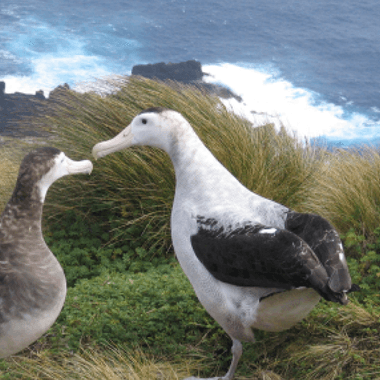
268,98
109,84
68,61
50,71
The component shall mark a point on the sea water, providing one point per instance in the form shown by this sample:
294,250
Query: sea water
310,66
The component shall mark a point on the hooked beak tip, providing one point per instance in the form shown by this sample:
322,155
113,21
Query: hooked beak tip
95,153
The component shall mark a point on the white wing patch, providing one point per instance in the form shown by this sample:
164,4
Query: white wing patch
268,231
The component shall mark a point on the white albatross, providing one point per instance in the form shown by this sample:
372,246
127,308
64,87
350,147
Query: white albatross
32,282
253,263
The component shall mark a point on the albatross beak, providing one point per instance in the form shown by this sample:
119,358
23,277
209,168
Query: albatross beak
119,142
79,167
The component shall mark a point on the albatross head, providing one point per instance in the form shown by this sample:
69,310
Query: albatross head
157,127
41,168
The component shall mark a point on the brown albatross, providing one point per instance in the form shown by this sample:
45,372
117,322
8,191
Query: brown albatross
32,282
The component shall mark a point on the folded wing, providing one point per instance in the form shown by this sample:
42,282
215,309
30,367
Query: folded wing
257,255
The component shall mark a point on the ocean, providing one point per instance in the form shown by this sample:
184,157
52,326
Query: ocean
311,66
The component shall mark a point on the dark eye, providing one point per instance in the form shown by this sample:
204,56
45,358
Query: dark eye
144,121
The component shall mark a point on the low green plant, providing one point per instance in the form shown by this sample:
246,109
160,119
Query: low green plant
158,311
155,309
364,263
85,248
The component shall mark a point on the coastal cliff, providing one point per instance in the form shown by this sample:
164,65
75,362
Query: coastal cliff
17,108
14,108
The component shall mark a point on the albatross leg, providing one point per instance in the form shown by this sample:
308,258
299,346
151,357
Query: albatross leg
237,350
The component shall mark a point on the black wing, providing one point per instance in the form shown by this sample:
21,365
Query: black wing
256,255
325,242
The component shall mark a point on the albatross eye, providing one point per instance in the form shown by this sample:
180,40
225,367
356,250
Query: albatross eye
144,121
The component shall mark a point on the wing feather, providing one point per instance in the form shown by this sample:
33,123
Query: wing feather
325,242
256,255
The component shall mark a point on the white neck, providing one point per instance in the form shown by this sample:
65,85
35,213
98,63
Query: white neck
198,173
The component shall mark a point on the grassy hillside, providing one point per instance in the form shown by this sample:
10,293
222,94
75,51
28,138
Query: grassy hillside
110,231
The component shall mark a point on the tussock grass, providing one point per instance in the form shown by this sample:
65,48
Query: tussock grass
354,316
110,363
138,184
347,191
344,348
341,355
12,151
8,170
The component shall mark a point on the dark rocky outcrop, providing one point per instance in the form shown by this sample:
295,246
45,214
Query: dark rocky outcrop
185,72
2,89
189,72
15,108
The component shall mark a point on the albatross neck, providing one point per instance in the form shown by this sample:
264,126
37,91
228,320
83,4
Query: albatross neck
195,166
20,221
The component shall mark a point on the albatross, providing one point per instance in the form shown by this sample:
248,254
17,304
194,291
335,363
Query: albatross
32,282
252,262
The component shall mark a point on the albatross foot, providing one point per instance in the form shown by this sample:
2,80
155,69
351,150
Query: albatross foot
237,350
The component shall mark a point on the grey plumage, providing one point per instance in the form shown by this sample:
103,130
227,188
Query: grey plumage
32,282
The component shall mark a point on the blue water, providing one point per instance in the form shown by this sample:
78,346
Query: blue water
311,66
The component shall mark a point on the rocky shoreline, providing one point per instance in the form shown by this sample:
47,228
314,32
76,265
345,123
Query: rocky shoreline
16,108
